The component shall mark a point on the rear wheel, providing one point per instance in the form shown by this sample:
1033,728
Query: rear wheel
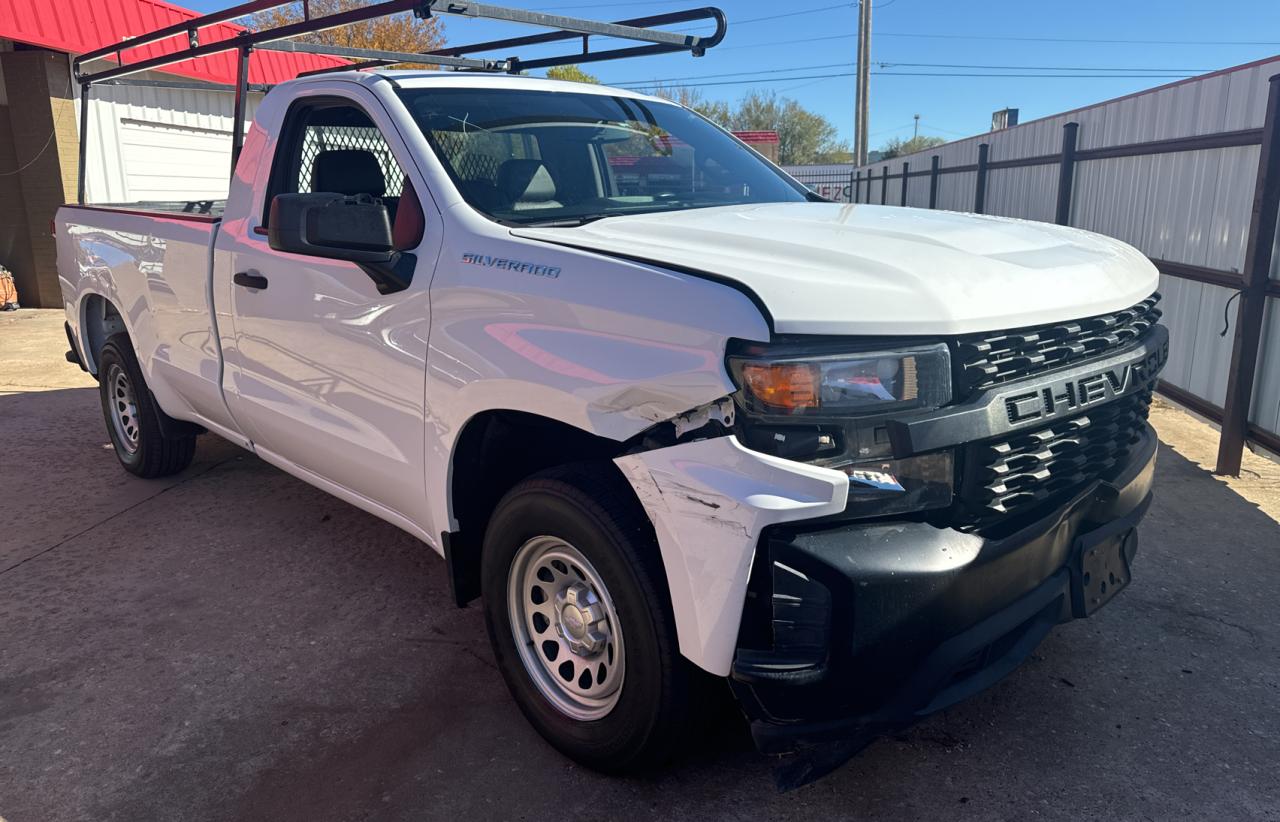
132,418
577,610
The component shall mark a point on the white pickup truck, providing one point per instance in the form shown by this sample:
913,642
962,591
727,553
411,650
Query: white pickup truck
669,414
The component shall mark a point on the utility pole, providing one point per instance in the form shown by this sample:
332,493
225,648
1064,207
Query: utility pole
863,85
915,132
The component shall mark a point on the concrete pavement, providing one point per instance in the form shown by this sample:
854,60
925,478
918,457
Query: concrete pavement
234,644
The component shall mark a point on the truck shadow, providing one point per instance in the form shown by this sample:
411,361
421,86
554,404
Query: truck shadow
234,643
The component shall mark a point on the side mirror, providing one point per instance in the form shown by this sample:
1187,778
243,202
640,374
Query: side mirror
356,228
339,227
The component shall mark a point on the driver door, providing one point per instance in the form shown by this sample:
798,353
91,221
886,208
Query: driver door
324,373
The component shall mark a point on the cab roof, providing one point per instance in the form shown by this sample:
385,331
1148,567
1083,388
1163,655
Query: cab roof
477,79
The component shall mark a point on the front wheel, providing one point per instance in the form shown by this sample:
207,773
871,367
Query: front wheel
577,610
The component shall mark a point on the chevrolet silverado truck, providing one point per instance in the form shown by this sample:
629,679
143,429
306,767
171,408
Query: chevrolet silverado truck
668,414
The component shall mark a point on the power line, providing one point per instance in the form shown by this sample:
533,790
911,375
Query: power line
894,64
774,43
765,80
889,64
613,5
987,74
789,13
770,17
727,74
947,130
1084,40
890,130
786,42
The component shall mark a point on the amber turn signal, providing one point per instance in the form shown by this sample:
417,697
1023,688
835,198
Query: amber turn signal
785,386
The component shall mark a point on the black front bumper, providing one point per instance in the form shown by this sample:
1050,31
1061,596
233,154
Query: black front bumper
871,626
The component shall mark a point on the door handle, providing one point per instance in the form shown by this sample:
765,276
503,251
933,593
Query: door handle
249,279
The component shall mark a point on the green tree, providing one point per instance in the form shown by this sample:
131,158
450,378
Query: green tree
897,147
400,32
573,74
804,136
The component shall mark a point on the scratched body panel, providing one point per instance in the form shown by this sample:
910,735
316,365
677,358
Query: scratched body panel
709,500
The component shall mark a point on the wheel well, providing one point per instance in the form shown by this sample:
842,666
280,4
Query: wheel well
99,321
496,450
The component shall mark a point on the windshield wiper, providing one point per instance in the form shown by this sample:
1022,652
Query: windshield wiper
569,222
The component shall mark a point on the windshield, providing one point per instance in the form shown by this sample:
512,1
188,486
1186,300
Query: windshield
549,158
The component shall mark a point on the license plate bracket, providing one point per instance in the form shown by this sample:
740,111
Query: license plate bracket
1101,568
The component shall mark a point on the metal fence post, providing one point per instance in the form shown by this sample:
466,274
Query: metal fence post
1253,296
1067,173
933,182
884,186
852,187
980,190
905,167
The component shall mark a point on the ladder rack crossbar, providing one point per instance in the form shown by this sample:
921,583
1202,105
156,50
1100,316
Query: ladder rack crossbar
281,38
584,56
563,28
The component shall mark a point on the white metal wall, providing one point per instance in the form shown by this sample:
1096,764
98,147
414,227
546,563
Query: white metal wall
148,143
1188,207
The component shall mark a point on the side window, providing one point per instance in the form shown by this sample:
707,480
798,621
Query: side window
319,137
334,147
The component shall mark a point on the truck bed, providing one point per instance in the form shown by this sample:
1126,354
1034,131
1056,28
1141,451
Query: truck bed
151,259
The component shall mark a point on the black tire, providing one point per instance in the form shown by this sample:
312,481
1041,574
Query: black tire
152,454
593,509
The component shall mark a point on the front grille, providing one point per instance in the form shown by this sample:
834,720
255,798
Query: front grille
984,360
1029,470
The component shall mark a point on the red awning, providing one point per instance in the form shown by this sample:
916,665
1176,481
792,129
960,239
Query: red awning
77,26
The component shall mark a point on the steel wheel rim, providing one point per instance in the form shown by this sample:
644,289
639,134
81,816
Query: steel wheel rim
124,409
565,628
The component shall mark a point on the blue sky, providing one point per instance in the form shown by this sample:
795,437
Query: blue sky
804,54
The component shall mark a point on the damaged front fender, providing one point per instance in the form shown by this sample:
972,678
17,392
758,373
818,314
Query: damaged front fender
709,500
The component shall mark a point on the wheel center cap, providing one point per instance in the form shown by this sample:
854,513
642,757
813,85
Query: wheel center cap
573,621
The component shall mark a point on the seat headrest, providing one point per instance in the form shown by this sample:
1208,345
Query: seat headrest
526,181
347,171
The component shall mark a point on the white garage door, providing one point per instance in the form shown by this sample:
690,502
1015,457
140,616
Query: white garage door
149,143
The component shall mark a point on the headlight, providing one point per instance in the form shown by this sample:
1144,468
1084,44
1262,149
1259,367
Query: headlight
839,384
832,409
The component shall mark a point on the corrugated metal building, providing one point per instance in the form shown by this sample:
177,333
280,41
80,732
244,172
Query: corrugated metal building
1171,170
139,134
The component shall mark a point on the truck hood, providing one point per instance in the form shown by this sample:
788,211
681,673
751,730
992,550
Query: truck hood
828,268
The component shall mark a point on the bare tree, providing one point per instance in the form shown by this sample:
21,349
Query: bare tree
717,111
400,32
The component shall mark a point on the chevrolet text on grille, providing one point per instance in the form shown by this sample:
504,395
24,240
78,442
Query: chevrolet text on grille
1079,392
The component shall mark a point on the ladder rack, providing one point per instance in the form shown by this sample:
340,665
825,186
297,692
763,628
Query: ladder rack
461,58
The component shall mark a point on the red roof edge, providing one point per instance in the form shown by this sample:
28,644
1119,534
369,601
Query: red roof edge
757,136
78,26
